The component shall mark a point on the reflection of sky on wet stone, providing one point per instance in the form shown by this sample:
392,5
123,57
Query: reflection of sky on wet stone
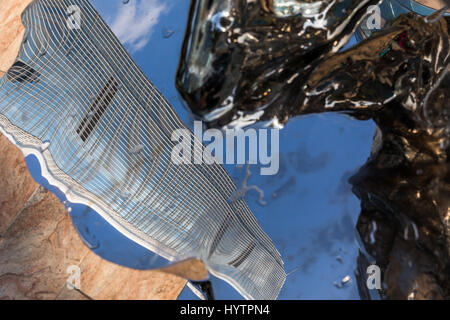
310,212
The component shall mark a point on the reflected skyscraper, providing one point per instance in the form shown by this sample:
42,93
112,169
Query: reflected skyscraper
102,133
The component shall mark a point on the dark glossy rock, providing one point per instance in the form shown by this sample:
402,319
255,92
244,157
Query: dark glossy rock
243,58
262,65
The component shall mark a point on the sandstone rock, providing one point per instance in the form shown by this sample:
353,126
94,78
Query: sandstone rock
11,31
39,248
17,184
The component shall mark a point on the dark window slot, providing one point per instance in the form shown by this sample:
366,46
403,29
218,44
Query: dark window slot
244,255
98,108
22,73
223,228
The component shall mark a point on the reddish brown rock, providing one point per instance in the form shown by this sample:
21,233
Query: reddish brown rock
40,247
11,31
36,250
120,283
17,184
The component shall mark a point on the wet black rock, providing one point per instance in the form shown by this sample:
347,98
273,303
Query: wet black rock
248,61
241,59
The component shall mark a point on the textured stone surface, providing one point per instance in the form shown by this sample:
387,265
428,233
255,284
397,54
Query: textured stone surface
17,184
193,269
36,250
41,244
38,242
437,4
122,283
11,31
